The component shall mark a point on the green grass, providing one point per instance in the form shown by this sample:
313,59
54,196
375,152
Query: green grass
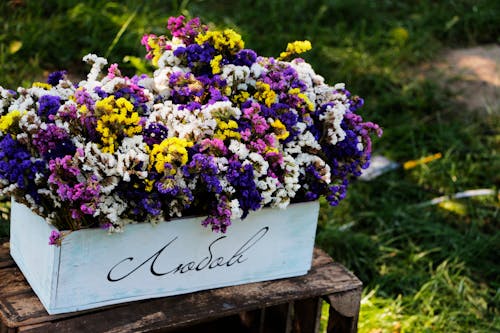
426,268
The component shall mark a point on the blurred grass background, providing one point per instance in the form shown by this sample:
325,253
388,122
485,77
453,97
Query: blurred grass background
426,267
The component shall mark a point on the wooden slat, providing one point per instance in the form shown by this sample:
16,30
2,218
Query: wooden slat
5,258
20,308
320,258
12,281
189,309
344,311
307,315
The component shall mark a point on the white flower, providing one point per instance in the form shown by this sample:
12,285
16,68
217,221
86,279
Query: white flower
168,59
112,207
305,159
339,86
102,165
332,118
192,125
304,139
237,76
97,65
30,123
224,109
24,102
360,146
161,80
222,163
236,211
110,85
260,166
132,154
257,70
160,111
240,149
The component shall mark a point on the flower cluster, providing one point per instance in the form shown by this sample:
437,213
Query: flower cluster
216,131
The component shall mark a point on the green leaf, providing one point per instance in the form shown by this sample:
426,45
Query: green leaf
137,63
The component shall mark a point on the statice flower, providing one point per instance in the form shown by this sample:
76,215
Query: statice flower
186,31
18,170
52,142
217,131
55,77
49,105
55,238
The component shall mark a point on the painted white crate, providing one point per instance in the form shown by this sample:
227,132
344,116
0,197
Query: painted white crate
93,268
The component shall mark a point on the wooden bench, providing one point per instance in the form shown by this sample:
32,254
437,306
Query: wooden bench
286,305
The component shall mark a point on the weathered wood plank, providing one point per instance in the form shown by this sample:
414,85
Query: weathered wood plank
12,282
344,311
22,309
346,303
5,258
178,311
307,315
320,258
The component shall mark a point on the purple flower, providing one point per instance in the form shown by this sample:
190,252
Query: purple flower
53,142
55,238
187,31
245,57
48,106
79,193
197,57
206,169
242,179
101,93
220,217
337,193
134,94
82,97
55,77
18,167
155,133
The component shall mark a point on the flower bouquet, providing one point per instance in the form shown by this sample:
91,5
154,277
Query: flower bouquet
217,132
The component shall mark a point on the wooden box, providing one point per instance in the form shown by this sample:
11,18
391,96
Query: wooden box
93,268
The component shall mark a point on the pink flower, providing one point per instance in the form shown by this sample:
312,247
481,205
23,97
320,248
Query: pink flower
55,238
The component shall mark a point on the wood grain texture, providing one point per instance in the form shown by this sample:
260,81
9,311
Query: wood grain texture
5,258
20,308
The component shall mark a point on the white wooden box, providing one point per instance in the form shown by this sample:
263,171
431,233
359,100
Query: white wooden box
93,268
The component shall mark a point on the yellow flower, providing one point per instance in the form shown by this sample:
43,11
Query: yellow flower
296,47
225,130
83,109
156,51
116,119
279,129
308,104
43,85
272,150
8,120
149,185
223,41
265,94
215,64
241,97
171,150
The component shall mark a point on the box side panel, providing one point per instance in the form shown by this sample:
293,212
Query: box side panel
171,258
29,234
